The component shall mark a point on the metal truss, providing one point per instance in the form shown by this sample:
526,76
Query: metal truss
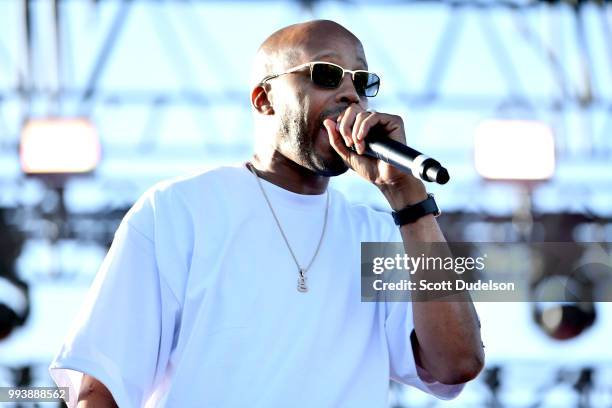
50,73
571,93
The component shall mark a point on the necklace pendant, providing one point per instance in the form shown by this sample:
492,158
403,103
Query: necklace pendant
301,287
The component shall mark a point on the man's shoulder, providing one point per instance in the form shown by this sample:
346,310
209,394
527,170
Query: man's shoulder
200,181
180,195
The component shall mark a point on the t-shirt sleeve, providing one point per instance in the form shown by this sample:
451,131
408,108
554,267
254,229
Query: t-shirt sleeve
403,368
120,333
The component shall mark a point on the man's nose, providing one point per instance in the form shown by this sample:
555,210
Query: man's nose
346,91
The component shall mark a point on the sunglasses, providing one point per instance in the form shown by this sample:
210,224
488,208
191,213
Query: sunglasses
328,75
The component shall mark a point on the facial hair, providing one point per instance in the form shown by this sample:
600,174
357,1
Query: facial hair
298,138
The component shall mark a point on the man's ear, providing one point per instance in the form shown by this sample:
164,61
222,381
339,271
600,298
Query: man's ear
260,101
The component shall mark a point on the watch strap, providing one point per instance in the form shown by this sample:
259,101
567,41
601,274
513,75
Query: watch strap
411,213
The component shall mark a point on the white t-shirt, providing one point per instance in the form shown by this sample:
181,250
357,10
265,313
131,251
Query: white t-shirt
196,304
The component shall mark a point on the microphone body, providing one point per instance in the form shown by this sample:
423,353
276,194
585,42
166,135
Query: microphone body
405,158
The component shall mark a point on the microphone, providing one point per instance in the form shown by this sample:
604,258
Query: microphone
406,159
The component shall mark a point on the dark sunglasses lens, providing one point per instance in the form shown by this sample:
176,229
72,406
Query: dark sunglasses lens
366,83
326,75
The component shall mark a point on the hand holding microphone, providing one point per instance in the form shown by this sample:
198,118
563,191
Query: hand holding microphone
380,136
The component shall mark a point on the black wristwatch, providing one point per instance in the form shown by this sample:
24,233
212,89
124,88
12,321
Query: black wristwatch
411,213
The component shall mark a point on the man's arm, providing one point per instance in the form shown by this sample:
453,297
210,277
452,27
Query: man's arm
448,343
94,394
447,333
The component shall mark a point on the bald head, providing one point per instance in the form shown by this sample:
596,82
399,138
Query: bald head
289,110
294,44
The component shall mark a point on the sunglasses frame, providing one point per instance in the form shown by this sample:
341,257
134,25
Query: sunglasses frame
311,65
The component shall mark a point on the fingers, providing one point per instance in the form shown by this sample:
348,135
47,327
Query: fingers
354,125
345,124
336,139
366,124
391,125
348,125
355,134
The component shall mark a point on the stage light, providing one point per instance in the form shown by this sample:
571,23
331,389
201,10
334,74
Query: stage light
572,310
59,146
571,281
564,321
518,150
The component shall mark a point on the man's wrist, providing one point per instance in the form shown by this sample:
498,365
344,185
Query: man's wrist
414,212
404,193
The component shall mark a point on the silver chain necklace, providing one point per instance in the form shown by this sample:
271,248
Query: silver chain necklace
301,286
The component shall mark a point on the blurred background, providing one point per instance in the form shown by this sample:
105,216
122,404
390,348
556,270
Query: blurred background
100,99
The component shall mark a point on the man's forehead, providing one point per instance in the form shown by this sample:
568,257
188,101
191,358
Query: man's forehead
348,57
310,41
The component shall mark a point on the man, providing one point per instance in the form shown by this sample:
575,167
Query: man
241,285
